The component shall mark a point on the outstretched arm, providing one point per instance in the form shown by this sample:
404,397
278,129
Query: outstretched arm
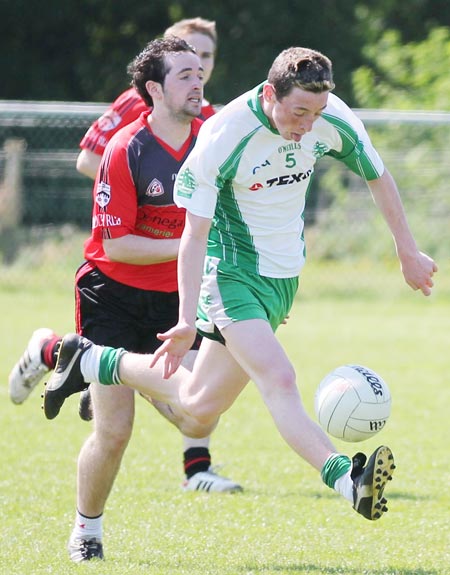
88,163
417,267
191,256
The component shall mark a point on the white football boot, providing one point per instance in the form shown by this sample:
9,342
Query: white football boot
209,481
29,370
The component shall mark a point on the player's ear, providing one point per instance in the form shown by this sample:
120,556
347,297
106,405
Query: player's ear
154,89
269,93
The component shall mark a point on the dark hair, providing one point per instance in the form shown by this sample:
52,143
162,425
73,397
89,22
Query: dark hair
151,63
302,68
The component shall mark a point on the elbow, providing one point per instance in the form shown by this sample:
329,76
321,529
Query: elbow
112,250
87,164
81,167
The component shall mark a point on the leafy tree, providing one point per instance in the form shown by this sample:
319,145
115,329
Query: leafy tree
405,76
413,19
79,49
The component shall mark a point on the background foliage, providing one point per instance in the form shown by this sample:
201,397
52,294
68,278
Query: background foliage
79,49
386,54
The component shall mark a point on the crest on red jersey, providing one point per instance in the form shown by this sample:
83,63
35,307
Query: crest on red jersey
155,188
103,194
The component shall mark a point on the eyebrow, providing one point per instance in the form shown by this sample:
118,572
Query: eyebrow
189,69
308,109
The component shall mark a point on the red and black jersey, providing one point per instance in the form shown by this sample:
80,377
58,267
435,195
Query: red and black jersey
125,109
207,110
133,194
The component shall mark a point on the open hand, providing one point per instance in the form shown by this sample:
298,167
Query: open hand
177,341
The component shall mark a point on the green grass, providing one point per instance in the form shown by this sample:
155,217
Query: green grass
286,521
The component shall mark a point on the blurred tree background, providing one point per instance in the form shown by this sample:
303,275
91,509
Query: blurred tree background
78,50
387,54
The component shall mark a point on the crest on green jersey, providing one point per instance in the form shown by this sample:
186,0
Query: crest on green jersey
186,184
320,150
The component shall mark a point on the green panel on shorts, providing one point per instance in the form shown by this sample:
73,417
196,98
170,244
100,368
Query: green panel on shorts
230,294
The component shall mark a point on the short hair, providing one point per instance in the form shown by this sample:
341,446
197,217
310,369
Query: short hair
302,68
151,64
193,26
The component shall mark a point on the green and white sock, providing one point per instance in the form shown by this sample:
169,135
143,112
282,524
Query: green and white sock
90,363
344,486
101,364
108,373
336,474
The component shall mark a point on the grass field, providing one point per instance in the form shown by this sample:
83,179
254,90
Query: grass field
286,522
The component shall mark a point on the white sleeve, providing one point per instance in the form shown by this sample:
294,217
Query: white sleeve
352,144
196,183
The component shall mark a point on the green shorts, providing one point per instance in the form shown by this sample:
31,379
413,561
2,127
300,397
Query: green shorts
229,294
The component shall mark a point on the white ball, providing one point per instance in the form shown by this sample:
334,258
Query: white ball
352,403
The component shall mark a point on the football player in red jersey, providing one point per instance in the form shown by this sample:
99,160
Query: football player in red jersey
126,291
34,363
199,33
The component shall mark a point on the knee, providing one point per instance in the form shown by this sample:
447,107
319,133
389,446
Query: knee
114,439
199,419
279,382
203,411
195,429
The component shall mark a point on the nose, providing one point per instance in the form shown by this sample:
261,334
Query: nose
197,84
306,124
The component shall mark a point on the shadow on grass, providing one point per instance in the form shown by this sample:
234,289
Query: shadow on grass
311,568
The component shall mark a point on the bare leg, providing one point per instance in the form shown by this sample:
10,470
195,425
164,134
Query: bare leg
134,372
101,455
270,369
166,411
188,442
220,373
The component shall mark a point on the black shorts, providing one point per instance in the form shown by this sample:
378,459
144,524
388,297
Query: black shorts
114,314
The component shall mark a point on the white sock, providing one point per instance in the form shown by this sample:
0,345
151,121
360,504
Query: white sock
344,486
90,363
87,527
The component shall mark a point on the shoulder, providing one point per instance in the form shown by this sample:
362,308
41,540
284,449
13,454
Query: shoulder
128,98
207,110
196,124
126,135
337,110
235,118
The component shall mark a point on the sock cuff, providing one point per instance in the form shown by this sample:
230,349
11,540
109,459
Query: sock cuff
335,467
108,373
49,351
120,353
196,459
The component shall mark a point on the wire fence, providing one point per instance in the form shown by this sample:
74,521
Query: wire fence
45,207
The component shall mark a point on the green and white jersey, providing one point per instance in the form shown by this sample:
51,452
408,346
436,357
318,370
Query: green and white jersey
253,183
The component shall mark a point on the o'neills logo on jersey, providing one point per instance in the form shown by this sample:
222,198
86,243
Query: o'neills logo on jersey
155,189
186,184
282,180
103,194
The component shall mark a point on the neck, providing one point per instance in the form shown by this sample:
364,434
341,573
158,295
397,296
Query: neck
173,130
267,109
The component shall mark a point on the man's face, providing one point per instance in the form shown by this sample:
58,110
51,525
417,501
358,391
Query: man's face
294,115
205,48
183,85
